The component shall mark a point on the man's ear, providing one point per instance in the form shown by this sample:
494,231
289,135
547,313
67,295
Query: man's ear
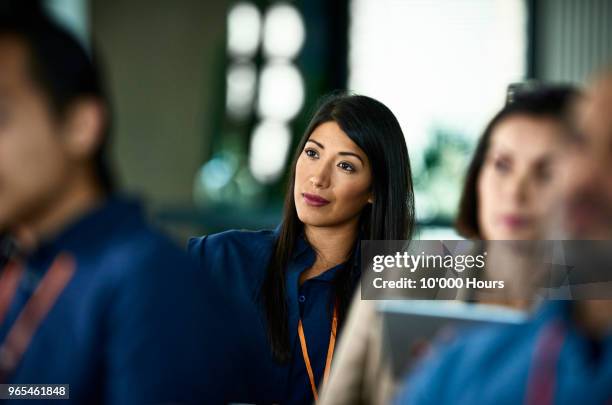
83,128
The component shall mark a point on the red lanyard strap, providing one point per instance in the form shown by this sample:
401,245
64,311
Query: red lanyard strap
330,352
8,285
36,309
543,381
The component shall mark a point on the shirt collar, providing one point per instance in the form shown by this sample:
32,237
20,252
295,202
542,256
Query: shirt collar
301,248
304,257
83,233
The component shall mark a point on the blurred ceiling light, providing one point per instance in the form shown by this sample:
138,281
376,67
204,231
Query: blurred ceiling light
214,176
281,91
283,33
241,81
243,30
269,148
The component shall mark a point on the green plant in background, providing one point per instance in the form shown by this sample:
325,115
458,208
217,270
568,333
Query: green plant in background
439,178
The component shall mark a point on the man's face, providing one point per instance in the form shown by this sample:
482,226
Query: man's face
588,176
33,163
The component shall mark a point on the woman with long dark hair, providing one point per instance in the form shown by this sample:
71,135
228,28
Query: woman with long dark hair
350,181
509,190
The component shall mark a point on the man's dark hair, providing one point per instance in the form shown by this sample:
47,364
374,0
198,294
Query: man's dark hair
61,66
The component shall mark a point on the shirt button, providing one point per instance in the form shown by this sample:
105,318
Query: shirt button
302,298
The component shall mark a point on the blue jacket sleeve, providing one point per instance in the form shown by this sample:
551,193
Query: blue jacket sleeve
159,343
422,386
195,247
433,377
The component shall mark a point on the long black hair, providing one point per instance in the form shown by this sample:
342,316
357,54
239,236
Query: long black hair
374,128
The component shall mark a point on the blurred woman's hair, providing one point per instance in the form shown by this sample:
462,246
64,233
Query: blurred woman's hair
374,128
532,100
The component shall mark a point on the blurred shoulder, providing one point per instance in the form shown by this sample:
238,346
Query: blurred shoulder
233,239
147,252
468,359
232,246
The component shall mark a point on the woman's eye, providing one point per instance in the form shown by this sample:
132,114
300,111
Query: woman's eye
544,174
346,166
501,165
311,153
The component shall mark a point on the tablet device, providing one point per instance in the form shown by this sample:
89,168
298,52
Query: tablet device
410,324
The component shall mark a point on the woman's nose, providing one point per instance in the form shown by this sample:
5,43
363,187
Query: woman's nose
518,189
320,178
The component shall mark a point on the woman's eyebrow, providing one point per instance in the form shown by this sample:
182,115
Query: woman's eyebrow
352,154
320,145
339,153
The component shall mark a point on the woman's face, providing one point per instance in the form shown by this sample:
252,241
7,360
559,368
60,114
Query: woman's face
332,179
516,186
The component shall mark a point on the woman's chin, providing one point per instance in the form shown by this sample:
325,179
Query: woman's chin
524,234
315,220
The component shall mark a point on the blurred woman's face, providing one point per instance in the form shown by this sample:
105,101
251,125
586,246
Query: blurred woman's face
332,179
516,186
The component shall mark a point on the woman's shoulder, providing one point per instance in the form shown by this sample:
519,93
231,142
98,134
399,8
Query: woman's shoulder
234,246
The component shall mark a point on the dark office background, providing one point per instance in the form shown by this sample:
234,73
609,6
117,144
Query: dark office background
211,96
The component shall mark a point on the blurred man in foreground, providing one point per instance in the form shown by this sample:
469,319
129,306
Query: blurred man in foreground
100,301
564,354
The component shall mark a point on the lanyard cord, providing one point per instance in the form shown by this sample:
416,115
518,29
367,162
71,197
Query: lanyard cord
8,286
35,310
330,352
541,387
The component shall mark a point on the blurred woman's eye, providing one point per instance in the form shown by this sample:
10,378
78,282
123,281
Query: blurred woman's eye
544,173
311,153
346,167
545,176
502,165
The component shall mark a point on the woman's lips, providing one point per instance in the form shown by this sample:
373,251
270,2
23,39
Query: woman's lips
515,221
314,200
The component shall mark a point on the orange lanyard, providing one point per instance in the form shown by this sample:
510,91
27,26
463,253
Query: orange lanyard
35,310
330,352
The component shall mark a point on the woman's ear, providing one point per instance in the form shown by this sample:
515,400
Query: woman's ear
371,198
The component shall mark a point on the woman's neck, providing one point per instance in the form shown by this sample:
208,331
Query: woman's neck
520,269
332,246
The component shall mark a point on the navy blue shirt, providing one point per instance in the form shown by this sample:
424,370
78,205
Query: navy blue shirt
131,326
238,260
513,364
